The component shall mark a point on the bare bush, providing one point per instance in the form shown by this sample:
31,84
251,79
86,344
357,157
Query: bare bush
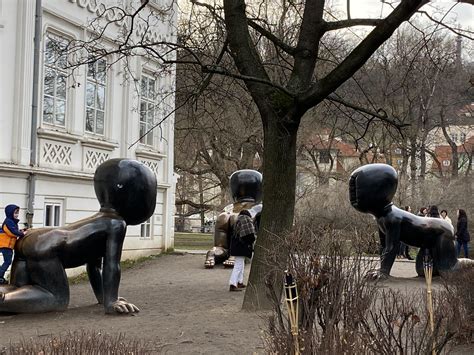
343,312
459,290
81,342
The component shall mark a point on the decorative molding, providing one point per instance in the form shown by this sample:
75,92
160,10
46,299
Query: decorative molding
99,8
53,153
148,35
153,165
142,30
94,158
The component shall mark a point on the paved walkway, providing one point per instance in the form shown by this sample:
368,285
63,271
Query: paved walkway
185,309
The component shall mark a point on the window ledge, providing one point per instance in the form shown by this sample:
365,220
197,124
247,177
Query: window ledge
98,143
146,152
58,136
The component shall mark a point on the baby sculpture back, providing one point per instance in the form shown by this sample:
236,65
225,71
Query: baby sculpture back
126,190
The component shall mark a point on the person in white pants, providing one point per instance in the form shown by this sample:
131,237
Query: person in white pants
237,276
241,246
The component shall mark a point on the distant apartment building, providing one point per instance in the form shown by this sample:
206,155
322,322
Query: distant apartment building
460,132
323,159
82,120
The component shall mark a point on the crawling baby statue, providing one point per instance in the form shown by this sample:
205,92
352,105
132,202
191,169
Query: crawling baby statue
371,189
126,190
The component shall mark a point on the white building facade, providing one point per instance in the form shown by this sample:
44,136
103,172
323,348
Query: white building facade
83,119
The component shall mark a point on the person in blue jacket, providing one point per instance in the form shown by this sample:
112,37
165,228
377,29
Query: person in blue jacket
8,236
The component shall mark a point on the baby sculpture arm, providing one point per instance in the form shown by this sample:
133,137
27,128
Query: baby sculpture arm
390,249
111,273
105,283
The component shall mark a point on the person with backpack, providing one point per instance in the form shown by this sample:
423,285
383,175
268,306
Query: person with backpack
241,246
8,236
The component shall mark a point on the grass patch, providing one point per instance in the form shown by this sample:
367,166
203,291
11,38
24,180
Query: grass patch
193,241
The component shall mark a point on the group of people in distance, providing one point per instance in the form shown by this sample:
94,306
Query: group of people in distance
461,231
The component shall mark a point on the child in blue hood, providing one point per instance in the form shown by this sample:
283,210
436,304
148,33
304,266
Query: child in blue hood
8,236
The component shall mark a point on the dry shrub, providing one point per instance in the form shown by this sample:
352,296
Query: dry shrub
459,290
343,312
81,342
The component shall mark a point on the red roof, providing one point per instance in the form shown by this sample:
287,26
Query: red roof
345,149
444,153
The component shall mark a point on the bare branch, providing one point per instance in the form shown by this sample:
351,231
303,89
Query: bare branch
271,37
380,114
224,71
452,29
337,25
361,53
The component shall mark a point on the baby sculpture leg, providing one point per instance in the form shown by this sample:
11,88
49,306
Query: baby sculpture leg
217,254
49,290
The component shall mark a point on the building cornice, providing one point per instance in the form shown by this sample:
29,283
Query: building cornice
14,170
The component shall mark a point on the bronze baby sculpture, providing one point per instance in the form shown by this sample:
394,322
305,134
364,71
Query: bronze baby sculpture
246,188
126,190
371,189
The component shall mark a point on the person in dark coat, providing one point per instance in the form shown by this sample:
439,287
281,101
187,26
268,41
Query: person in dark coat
241,246
462,233
8,236
434,212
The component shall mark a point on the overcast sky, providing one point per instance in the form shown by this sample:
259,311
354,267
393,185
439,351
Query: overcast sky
461,13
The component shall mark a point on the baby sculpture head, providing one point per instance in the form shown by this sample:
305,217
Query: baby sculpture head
246,185
372,187
128,187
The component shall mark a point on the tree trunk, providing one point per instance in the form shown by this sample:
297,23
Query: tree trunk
201,202
413,164
279,182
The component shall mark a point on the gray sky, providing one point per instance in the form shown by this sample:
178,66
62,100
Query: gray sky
462,13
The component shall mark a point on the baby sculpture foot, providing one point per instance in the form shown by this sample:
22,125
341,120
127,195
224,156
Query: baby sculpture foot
209,263
210,260
229,263
376,275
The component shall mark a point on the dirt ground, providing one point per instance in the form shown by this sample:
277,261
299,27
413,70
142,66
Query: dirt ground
184,309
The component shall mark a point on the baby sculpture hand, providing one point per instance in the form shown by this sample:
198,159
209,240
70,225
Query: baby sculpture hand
122,306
